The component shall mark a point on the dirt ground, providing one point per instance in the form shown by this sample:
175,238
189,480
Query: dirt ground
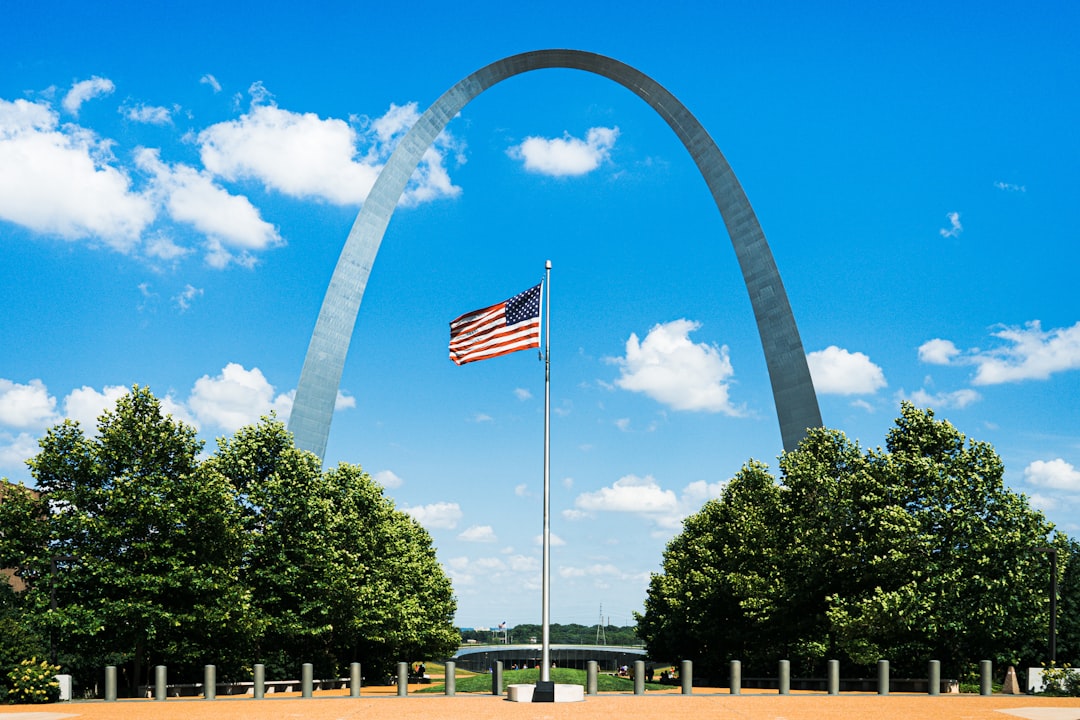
383,704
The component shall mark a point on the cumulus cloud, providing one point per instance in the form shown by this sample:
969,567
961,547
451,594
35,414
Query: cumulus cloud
1055,474
236,397
212,81
629,493
193,197
85,90
1031,353
837,371
436,515
479,534
150,114
15,450
567,155
59,181
673,370
522,394
944,400
184,297
938,352
85,405
388,479
26,405
319,158
955,228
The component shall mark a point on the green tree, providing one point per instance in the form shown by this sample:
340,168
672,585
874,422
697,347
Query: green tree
911,553
140,563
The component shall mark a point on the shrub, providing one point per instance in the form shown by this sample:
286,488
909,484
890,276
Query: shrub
1063,680
32,682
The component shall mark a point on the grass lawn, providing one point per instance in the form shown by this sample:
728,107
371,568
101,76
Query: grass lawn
562,676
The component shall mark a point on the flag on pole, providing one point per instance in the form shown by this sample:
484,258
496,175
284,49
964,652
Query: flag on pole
500,329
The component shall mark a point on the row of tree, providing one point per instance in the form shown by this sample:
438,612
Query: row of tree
140,553
558,633
911,553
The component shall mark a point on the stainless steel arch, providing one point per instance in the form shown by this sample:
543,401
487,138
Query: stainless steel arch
793,391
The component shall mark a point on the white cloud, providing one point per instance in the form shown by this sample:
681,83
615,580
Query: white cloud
193,197
629,493
941,401
1032,354
85,90
955,228
555,540
566,155
184,297
235,398
521,490
212,81
26,406
522,394
479,534
837,371
60,181
15,450
623,424
305,156
573,514
150,114
388,479
85,405
671,369
938,352
436,515
1009,187
1055,474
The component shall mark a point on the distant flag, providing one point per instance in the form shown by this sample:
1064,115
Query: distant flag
502,625
501,329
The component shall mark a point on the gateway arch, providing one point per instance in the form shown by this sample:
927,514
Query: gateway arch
793,391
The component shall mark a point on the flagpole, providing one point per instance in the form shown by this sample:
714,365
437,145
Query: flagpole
545,654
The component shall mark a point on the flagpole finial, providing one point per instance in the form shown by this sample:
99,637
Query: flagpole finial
547,265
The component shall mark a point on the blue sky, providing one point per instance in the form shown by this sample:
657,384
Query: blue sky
177,180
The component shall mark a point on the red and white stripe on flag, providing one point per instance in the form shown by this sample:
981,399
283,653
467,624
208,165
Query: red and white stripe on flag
500,329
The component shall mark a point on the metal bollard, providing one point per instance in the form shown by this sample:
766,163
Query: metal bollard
450,678
496,678
307,674
834,677
686,675
110,683
592,672
160,686
402,679
355,678
986,677
933,678
736,677
784,679
259,686
882,677
639,677
209,682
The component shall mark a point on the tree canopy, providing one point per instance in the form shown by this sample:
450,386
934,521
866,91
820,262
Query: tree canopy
140,553
911,553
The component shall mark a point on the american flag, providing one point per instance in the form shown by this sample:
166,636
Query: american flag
503,328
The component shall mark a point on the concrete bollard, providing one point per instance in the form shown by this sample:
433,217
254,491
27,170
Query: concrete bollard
592,672
110,683
209,682
307,676
402,679
686,675
639,677
933,678
834,677
355,679
160,684
986,677
882,677
450,678
496,678
735,687
784,677
259,684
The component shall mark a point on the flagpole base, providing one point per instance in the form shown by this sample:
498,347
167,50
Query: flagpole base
545,692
